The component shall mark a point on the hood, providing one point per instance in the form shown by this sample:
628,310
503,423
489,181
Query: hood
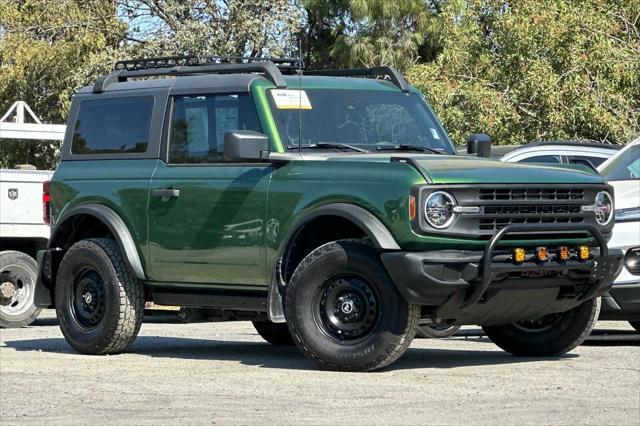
449,169
626,193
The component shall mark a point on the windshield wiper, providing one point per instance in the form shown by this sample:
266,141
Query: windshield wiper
324,145
407,147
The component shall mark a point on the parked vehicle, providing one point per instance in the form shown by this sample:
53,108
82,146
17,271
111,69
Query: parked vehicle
327,208
622,171
562,152
23,228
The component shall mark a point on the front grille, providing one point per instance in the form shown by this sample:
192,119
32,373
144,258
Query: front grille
500,205
531,194
499,216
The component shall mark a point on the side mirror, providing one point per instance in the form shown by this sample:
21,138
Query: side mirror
479,144
245,145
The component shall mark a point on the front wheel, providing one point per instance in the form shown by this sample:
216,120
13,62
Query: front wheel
551,335
344,312
18,272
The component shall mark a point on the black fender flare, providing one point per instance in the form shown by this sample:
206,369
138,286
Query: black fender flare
364,219
115,224
377,232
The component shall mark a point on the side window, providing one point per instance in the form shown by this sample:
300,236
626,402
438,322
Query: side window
541,159
112,126
198,125
596,161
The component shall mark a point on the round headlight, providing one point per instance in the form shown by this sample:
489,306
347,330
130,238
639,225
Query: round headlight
438,209
604,208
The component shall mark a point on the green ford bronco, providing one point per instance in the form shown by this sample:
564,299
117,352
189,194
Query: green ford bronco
328,207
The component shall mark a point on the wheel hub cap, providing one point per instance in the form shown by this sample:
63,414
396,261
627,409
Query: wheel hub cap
347,308
89,298
7,291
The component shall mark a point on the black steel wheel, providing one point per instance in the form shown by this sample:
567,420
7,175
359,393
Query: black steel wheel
347,308
551,335
89,298
100,304
343,310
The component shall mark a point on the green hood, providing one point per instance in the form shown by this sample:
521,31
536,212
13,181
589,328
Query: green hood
450,169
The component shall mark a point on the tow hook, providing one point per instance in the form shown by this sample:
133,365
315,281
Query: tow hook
7,291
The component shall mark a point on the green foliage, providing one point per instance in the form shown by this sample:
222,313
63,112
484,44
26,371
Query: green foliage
518,70
235,27
531,70
48,49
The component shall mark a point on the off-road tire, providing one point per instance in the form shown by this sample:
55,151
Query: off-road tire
635,324
27,270
389,336
275,333
567,333
124,298
429,332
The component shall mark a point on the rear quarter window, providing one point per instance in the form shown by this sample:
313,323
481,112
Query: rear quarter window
112,126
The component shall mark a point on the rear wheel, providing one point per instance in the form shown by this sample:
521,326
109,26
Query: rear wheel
437,331
18,273
344,312
551,335
99,303
275,333
635,324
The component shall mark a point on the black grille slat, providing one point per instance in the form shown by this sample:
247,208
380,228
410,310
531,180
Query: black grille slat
506,206
522,194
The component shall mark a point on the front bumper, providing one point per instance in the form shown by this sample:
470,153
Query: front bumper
486,287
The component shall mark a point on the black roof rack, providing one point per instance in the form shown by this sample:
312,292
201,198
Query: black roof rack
272,68
192,65
393,74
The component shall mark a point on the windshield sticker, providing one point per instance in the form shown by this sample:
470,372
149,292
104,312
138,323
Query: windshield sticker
434,134
290,99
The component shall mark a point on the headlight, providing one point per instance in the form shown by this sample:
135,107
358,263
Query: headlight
603,208
627,215
438,209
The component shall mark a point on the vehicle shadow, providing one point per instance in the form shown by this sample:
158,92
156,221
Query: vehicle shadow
268,356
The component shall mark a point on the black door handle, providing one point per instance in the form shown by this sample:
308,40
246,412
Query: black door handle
166,193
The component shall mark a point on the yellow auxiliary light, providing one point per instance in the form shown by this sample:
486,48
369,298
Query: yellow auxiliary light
563,253
584,252
542,254
518,255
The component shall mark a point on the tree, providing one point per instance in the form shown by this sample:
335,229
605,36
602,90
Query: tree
233,27
531,70
357,33
48,49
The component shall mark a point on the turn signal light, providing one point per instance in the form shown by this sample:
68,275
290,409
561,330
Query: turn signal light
584,253
563,253
412,207
518,255
542,254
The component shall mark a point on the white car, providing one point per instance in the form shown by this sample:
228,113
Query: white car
622,171
561,152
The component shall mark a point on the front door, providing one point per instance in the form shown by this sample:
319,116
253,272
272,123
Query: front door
207,217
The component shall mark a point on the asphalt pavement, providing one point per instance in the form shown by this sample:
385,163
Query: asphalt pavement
223,373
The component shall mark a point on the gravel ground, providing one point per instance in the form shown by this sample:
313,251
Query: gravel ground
224,373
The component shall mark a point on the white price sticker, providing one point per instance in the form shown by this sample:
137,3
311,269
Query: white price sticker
290,99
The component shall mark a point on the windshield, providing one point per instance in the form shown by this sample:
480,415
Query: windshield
364,119
625,166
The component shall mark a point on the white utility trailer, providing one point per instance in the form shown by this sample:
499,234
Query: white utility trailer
24,228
